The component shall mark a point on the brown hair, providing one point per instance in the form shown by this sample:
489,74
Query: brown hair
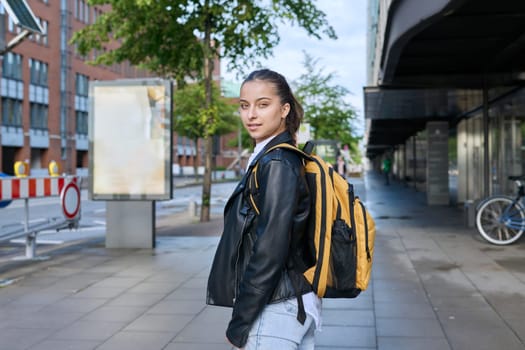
295,115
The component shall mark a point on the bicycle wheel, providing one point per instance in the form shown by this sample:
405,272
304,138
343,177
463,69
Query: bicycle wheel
500,220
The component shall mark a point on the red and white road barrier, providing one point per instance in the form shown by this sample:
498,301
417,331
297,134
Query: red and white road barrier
32,187
67,187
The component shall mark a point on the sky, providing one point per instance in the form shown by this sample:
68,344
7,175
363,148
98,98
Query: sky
345,57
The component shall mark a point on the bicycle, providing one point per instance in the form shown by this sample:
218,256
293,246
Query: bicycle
501,219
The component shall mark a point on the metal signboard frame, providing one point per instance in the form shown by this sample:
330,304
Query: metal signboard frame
130,139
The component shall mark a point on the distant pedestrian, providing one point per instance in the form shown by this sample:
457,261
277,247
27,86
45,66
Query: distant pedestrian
387,166
253,266
340,166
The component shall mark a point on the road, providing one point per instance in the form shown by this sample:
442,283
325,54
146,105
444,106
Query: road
93,215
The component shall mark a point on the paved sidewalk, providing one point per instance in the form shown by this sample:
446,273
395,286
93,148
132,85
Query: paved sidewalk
436,285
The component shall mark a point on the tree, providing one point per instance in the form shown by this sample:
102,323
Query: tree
325,108
181,38
246,140
189,120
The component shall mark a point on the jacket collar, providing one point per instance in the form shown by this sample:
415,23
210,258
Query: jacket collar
284,137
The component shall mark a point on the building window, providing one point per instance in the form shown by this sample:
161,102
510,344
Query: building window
96,14
11,112
41,38
82,122
38,72
38,116
12,66
11,27
87,9
82,10
82,85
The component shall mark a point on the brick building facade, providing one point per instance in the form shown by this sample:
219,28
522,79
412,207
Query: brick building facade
44,93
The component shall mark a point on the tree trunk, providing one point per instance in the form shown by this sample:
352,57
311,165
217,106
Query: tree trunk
206,182
208,76
196,159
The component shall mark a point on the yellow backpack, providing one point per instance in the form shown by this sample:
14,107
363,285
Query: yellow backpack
341,228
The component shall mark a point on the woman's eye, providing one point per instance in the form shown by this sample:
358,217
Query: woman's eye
263,105
244,106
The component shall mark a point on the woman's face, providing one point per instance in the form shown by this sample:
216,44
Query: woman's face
261,110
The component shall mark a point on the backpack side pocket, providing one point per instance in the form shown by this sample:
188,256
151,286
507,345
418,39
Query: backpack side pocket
343,257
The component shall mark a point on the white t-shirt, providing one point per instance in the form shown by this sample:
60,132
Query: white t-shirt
258,148
312,303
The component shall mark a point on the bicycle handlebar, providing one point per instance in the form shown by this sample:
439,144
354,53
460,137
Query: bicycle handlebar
517,178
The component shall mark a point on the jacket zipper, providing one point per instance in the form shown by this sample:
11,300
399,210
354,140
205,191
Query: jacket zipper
237,259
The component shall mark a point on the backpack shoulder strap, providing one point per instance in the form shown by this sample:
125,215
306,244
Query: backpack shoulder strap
253,183
290,147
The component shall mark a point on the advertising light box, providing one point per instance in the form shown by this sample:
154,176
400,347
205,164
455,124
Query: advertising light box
130,140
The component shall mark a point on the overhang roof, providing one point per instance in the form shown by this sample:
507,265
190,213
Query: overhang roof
464,43
399,113
436,53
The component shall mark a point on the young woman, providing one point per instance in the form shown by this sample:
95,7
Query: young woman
253,266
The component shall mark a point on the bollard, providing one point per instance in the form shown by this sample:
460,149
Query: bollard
469,212
192,208
30,246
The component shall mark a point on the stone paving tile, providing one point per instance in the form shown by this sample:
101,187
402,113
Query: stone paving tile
11,310
176,306
122,282
136,299
198,346
99,292
66,344
137,341
412,343
472,301
360,318
363,302
38,298
74,305
89,330
406,296
401,327
319,347
159,323
184,293
400,310
42,320
208,326
39,280
11,292
339,336
154,287
465,337
21,339
115,313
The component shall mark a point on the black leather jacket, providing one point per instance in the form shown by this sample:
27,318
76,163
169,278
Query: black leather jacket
253,262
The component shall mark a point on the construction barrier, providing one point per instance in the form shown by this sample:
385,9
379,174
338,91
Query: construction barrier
32,187
26,188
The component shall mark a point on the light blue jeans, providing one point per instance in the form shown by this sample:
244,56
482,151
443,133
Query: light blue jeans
277,328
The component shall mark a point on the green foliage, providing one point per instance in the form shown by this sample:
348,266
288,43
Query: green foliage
246,139
168,37
329,114
193,120
145,33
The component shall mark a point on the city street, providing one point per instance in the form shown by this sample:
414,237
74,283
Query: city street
93,216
